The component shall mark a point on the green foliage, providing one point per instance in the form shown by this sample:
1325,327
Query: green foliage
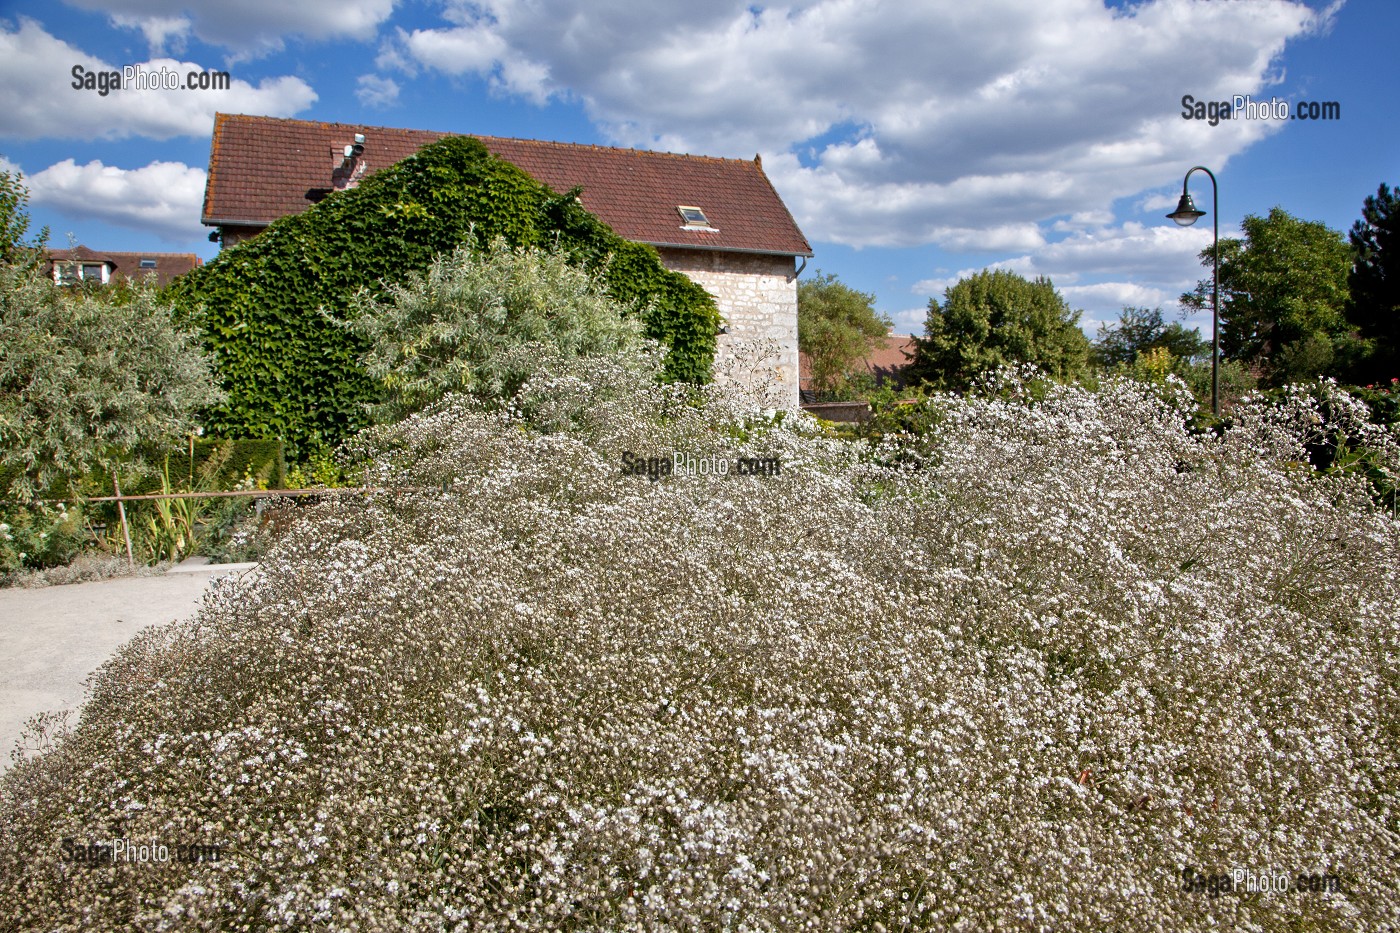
89,384
1348,432
1139,330
14,222
1283,293
165,529
37,535
837,327
262,460
292,372
996,318
482,320
1374,306
1382,400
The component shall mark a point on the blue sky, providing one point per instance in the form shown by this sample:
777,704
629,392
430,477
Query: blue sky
914,142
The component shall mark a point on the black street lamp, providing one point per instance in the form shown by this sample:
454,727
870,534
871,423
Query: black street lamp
1186,215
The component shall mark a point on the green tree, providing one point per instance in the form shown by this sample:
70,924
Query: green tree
1139,330
996,318
837,327
14,221
89,383
1374,308
483,320
1283,295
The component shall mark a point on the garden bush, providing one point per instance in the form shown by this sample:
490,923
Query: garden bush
482,320
1065,675
90,382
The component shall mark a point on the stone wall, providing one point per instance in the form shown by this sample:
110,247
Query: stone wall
233,235
757,295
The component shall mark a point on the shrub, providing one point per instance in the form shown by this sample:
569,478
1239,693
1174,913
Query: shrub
291,372
1029,689
88,383
39,536
996,318
482,320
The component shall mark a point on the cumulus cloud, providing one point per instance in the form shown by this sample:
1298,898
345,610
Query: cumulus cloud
377,91
947,122
163,198
37,98
1133,264
248,26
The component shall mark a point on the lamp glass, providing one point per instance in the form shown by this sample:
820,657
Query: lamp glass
1186,213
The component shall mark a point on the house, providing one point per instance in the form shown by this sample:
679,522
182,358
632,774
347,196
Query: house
80,264
718,221
886,364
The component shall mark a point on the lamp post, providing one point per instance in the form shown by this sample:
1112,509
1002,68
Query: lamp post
1186,215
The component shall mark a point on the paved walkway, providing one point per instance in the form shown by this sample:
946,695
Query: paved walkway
53,637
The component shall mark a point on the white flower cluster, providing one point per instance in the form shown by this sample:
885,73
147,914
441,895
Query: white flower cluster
1024,687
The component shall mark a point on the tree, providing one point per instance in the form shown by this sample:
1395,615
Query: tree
1139,331
14,220
837,327
482,320
88,382
996,318
1283,295
1374,308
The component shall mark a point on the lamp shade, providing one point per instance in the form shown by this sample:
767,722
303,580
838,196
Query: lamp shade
1186,213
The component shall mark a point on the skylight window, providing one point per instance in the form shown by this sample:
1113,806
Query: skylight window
694,218
148,264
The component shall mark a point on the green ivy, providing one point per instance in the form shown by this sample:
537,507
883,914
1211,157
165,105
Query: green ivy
291,373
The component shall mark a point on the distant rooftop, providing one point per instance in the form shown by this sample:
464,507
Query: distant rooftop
165,266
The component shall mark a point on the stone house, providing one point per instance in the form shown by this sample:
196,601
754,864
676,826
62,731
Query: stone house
718,221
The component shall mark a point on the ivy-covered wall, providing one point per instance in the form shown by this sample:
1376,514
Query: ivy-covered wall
262,306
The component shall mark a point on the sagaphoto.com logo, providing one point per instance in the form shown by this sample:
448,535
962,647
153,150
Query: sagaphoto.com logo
1244,107
147,78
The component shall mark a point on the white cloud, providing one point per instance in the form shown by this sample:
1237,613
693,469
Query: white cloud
909,320
164,198
37,97
1117,295
248,26
377,91
163,33
944,121
1101,270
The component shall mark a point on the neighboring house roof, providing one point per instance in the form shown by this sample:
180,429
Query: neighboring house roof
167,265
886,362
263,168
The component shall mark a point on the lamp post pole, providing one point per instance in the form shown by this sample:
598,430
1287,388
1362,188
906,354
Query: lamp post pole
1186,215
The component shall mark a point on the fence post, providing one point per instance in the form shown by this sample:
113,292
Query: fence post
121,510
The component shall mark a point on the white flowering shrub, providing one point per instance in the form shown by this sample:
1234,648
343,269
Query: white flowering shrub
1068,675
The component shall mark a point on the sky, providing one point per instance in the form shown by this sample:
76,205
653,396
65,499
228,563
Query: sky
915,142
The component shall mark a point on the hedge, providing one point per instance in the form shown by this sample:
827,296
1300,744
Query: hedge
291,372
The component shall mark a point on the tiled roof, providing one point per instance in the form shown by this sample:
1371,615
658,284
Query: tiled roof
168,265
262,168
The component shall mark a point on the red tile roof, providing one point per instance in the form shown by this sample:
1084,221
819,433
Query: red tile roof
168,265
262,168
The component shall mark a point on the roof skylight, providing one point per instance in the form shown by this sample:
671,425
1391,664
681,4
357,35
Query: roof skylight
694,218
